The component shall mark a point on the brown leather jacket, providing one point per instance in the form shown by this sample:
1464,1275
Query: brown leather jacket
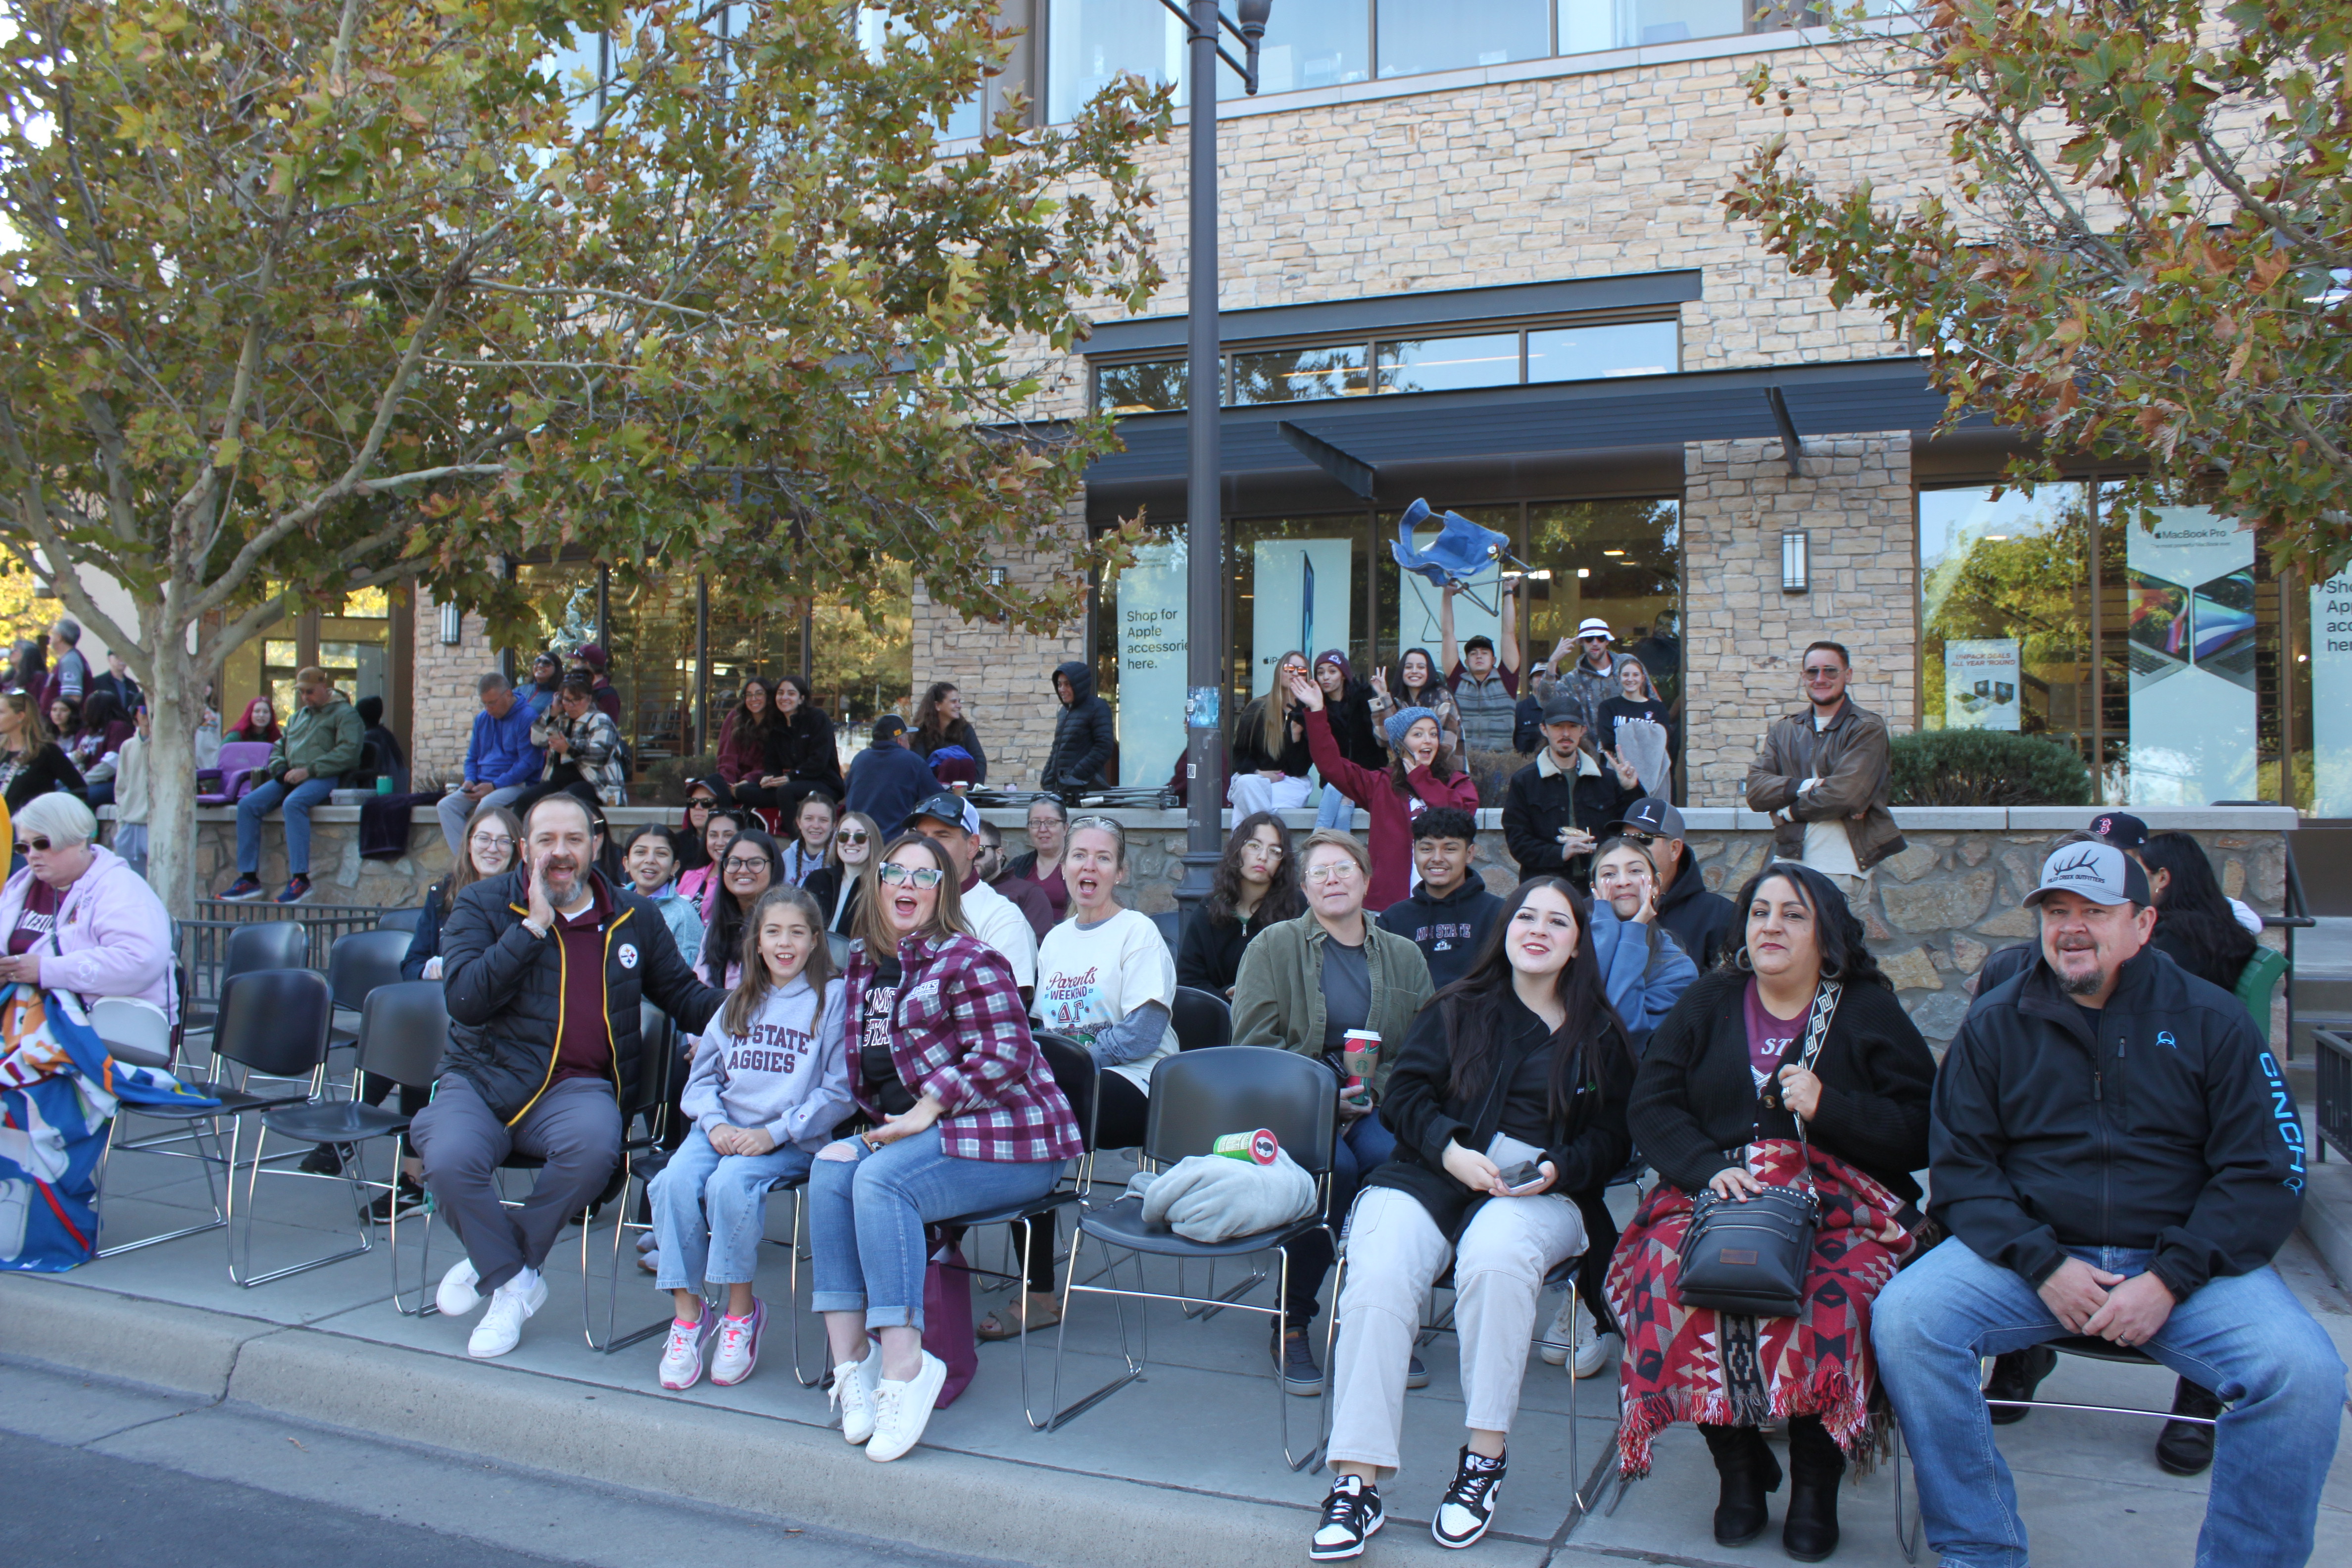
1850,759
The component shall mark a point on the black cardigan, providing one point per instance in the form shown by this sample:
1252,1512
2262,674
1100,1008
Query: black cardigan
1694,1098
1586,1147
48,770
801,748
1249,740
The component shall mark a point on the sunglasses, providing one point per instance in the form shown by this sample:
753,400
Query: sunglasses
1815,671
853,836
896,874
33,845
1631,836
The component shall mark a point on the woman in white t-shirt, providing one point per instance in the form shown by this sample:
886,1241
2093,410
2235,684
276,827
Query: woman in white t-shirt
1106,980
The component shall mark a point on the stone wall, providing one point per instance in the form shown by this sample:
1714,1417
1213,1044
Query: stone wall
338,873
446,699
1745,637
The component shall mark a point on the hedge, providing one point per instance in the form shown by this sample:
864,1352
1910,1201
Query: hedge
1986,767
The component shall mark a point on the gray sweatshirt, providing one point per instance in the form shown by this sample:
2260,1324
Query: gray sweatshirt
787,1074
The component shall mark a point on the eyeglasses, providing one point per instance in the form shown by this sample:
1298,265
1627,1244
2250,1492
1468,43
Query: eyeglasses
733,864
491,841
896,874
1335,872
853,836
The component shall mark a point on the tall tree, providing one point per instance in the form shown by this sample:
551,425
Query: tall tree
2145,249
299,299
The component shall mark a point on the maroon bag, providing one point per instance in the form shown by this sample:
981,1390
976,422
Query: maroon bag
947,1322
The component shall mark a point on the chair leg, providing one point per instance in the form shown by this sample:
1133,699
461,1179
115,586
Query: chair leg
1909,1526
1323,1416
1064,1415
240,1245
613,1287
195,1133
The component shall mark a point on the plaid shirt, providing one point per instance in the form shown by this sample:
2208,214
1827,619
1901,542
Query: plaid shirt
961,1034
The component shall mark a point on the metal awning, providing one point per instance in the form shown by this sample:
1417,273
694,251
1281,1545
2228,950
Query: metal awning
1352,440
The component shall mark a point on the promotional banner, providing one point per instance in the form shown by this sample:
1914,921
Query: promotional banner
2190,631
2331,697
1418,599
1151,647
1301,599
1980,685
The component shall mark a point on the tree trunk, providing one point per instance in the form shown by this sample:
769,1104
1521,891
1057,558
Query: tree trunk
175,702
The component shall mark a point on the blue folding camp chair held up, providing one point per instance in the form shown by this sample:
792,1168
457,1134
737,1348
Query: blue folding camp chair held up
1460,550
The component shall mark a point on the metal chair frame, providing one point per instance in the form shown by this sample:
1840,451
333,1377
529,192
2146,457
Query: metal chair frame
1319,1116
1910,1526
240,1245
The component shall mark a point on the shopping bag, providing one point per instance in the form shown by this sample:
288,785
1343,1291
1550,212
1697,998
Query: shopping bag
947,1322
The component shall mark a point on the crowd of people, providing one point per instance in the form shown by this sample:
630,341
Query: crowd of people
2107,1148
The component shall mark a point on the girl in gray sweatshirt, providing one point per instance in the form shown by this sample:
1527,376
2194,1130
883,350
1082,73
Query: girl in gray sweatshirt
768,1084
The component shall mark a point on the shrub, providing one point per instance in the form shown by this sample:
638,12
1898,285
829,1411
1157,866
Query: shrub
1986,767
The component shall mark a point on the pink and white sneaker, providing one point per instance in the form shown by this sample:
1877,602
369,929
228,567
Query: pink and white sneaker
738,1346
681,1361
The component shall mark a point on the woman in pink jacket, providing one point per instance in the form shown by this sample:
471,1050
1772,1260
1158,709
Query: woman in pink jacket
1419,775
78,918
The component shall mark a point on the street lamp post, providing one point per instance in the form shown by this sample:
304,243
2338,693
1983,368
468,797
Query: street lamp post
1204,532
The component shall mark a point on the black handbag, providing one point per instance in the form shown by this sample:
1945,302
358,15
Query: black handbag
1750,1255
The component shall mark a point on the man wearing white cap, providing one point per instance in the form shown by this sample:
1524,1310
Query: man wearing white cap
1595,677
2115,1154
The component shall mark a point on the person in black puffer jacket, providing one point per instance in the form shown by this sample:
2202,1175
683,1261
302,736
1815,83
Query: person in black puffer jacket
1083,735
544,967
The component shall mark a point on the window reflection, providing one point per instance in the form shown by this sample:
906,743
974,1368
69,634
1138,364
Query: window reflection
1288,375
1590,353
1446,365
2005,613
1141,388
1418,36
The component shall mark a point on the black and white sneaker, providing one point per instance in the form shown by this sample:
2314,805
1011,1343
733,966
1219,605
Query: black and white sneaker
1468,1505
1352,1516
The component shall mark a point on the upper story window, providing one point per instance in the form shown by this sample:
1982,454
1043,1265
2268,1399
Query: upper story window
1430,361
1329,43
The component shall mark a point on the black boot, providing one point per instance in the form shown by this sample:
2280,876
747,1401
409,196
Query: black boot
1745,1462
2015,1375
2186,1447
1816,1464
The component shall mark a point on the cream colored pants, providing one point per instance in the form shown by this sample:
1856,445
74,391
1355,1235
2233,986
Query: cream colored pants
1394,1252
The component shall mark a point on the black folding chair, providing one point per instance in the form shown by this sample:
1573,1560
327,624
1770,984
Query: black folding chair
1203,1018
258,945
1195,1099
273,1023
1172,926
1909,1526
399,920
1074,1070
403,1028
359,963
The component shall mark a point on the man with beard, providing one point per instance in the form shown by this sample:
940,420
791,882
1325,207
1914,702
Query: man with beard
2115,1154
545,968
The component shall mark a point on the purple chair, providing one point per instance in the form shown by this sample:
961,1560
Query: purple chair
227,784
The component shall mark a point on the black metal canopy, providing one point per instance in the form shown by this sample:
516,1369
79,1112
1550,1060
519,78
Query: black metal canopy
1352,440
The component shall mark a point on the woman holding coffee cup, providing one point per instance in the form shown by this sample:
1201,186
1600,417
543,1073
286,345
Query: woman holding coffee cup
1307,984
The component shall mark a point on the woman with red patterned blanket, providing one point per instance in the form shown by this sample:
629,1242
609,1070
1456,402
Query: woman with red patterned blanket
1714,1108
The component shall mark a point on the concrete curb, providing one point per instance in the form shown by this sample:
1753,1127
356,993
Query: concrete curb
966,1504
186,1349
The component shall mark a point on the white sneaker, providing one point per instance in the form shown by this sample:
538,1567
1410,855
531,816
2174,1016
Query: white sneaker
681,1361
738,1346
901,1410
458,1296
510,1303
1570,1324
853,1394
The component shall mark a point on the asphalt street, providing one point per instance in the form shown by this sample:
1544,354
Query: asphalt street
104,1476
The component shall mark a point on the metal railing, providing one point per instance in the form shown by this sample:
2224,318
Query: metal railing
2332,1112
203,942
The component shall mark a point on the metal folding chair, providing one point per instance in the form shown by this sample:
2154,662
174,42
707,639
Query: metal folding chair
1202,1019
1197,1098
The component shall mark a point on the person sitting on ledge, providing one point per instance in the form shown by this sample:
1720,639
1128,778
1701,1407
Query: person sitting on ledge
544,967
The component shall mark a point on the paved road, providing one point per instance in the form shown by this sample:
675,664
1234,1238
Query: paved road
103,1476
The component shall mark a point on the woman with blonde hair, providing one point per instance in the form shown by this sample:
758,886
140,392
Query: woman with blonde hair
843,885
1270,760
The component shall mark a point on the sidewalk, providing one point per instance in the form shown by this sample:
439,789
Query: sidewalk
1179,1468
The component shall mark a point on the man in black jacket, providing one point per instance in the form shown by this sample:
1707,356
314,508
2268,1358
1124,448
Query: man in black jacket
2115,1154
545,968
1557,805
1083,735
1703,924
1449,912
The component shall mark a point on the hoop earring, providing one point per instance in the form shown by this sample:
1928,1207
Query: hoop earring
1832,973
1739,961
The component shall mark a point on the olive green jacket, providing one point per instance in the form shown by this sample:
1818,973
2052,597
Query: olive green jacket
1279,993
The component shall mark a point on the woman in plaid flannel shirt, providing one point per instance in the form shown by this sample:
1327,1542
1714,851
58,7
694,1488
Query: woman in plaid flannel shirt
966,1116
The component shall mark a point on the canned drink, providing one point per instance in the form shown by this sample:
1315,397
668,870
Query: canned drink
1258,1147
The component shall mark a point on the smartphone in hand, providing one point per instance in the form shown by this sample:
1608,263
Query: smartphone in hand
1526,1173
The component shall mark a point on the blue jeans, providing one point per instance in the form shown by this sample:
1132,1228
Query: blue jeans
2245,1338
1365,1145
265,798
866,1218
710,1210
1336,810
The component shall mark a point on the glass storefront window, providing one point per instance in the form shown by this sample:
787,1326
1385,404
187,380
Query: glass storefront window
1589,25
1418,36
1448,365
2005,613
1298,583
650,629
862,669
1316,43
1620,560
1288,375
1090,42
1591,353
